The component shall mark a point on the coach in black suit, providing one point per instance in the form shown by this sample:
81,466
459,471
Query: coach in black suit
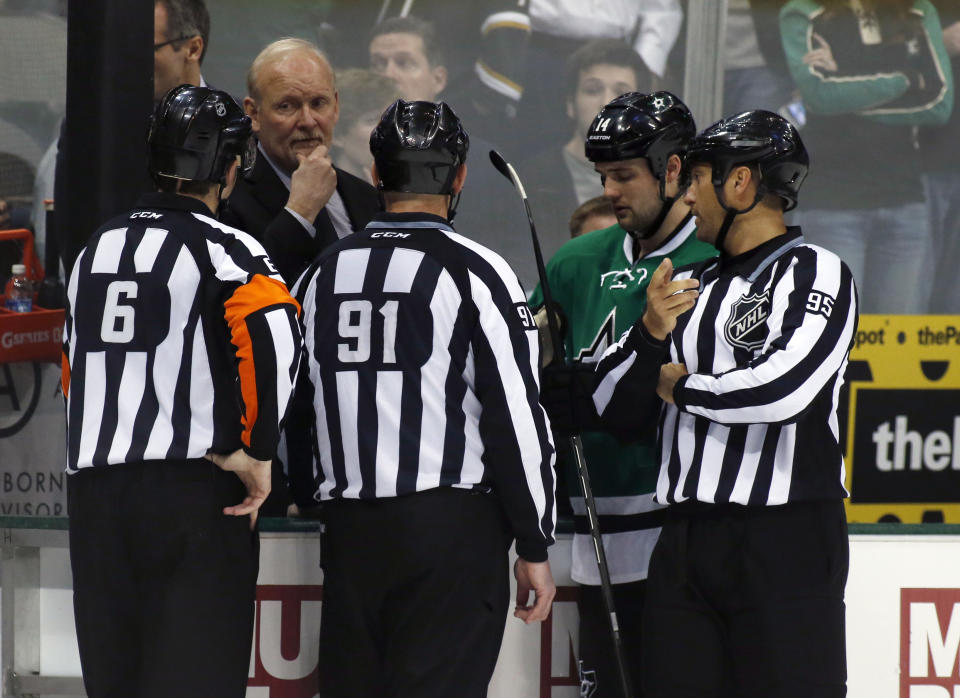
295,201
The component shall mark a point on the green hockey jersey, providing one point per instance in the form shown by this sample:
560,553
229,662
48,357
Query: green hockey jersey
602,290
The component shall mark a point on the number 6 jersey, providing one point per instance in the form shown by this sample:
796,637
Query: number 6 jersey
422,359
180,338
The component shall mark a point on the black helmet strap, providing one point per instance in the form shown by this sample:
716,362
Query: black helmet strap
731,213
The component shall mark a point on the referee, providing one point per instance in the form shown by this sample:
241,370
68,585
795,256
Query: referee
747,353
435,453
181,341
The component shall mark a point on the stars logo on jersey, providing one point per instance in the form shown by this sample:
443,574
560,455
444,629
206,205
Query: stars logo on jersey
623,278
603,339
747,325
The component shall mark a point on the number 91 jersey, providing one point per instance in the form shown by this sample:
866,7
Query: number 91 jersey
180,338
422,360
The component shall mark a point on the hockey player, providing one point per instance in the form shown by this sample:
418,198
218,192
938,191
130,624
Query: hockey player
747,353
636,143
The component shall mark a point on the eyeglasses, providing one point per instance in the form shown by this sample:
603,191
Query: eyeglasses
157,47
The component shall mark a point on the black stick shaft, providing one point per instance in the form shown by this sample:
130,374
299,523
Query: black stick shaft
576,444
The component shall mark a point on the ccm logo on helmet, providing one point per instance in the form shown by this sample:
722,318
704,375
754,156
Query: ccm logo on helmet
389,235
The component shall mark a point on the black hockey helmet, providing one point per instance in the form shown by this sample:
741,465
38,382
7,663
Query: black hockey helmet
196,132
760,138
418,147
637,125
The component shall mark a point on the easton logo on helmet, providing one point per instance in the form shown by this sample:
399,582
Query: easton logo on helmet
747,325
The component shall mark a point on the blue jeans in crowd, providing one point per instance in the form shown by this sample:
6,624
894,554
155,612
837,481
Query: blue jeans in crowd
943,198
886,249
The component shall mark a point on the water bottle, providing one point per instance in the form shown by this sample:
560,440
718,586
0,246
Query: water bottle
19,290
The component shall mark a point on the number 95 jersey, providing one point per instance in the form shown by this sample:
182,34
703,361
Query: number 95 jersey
180,338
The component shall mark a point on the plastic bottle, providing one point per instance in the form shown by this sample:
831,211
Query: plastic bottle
19,291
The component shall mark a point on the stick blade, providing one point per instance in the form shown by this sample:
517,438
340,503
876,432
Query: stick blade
501,164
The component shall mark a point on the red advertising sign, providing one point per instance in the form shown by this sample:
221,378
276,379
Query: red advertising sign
286,641
929,643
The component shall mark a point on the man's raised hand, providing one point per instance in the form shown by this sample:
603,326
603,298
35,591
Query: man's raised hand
667,300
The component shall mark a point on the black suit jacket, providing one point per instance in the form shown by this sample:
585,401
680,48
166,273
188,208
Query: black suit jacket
257,207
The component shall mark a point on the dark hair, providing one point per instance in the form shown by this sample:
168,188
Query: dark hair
597,206
187,18
610,51
418,27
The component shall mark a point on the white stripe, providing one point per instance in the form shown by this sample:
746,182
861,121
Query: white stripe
182,285
284,347
389,390
628,556
444,306
747,474
608,385
309,316
351,270
473,468
95,384
711,461
504,18
783,466
72,299
248,241
495,83
148,249
129,397
685,448
401,271
106,258
201,398
495,329
347,390
499,264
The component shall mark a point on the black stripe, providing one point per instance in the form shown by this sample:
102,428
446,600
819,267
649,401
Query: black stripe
732,460
411,421
761,483
700,428
622,523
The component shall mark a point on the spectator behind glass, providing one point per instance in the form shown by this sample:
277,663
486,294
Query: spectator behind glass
938,152
560,27
755,74
364,95
594,214
869,73
406,50
483,43
181,34
559,178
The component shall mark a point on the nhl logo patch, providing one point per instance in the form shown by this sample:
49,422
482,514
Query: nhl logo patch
221,109
747,325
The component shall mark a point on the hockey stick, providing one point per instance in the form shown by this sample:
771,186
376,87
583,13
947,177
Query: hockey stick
506,169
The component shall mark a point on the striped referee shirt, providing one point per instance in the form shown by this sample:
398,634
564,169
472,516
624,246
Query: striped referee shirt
180,339
766,346
422,361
